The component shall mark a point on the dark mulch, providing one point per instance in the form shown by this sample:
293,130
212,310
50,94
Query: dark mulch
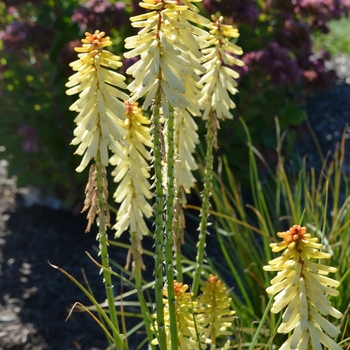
35,298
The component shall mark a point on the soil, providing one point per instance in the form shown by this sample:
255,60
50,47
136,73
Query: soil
35,298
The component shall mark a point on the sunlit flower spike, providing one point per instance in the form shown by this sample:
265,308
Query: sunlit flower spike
301,287
220,78
169,49
132,173
100,104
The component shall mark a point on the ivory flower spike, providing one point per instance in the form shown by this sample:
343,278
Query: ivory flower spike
169,54
100,109
219,78
301,286
132,173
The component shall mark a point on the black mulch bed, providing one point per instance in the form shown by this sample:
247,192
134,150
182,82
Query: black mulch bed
35,298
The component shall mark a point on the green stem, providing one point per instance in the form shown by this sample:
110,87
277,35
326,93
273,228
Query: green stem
205,204
102,238
261,324
135,245
169,210
159,221
179,268
178,240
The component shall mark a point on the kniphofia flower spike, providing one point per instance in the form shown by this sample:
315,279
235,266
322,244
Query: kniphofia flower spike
100,104
169,50
220,78
301,287
132,173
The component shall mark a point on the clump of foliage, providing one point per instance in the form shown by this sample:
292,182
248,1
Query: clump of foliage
186,68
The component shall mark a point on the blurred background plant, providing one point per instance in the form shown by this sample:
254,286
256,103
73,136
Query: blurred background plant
37,44
283,66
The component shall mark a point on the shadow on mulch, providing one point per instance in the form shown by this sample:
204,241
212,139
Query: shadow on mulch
35,298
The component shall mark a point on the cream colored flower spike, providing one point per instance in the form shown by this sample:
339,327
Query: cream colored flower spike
186,139
169,49
220,79
100,109
132,173
301,287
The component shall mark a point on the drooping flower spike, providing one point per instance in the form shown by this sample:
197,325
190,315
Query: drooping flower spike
132,173
169,54
220,78
301,287
214,99
100,104
101,112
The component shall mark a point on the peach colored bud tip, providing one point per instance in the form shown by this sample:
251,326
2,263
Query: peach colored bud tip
295,234
97,39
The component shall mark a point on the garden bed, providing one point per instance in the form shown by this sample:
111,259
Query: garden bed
35,298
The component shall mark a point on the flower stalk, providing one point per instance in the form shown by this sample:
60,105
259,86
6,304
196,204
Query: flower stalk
138,266
169,217
218,82
167,74
159,220
103,223
98,129
208,173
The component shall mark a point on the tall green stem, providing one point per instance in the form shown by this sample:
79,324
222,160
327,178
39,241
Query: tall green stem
169,210
178,239
102,238
159,221
205,203
135,246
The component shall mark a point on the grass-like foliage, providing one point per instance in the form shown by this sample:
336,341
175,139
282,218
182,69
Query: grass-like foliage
185,68
246,226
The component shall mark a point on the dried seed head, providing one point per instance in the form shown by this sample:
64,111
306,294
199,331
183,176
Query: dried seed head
91,198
